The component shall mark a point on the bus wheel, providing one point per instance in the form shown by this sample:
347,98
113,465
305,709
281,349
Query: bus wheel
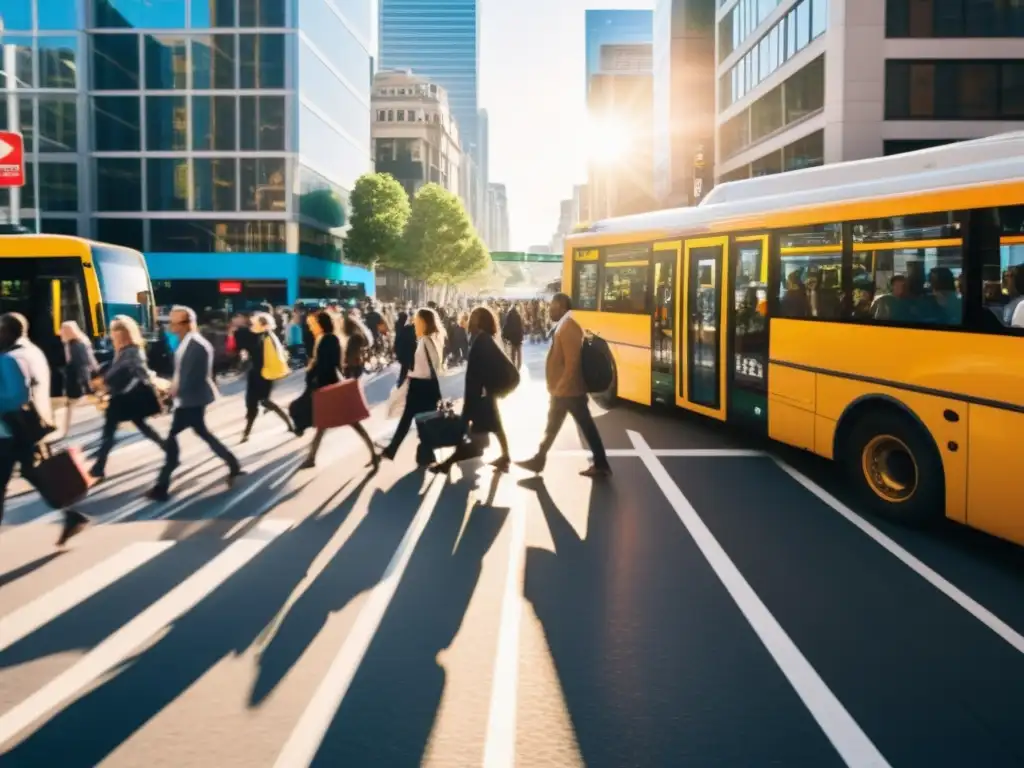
894,465
610,397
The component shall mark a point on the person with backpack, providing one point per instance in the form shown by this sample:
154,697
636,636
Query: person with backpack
268,363
568,387
489,375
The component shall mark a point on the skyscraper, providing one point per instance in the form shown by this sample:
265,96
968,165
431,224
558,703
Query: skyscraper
437,39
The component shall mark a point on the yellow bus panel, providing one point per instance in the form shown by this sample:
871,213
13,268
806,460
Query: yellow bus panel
629,337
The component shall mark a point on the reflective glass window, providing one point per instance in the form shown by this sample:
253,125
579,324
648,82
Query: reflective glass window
52,226
20,73
167,184
261,13
126,232
117,123
314,13
212,13
55,14
332,97
343,51
213,62
213,122
19,119
115,62
212,236
166,62
58,62
118,184
17,14
263,184
803,24
330,151
805,91
58,124
819,17
808,152
166,123
139,14
320,200
58,186
261,61
262,123
215,184
1012,90
978,90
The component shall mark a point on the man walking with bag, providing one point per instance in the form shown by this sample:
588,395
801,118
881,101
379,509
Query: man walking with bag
193,390
564,373
24,381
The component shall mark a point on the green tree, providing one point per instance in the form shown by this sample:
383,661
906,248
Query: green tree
440,244
380,211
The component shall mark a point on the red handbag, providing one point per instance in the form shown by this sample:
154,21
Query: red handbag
62,478
339,405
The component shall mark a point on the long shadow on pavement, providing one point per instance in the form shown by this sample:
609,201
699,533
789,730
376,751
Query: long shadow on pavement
28,568
226,622
389,711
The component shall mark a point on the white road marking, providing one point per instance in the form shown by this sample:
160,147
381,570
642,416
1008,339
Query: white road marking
120,645
694,453
305,739
27,619
969,604
500,744
852,744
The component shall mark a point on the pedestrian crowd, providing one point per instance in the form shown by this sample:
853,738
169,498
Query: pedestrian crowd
332,346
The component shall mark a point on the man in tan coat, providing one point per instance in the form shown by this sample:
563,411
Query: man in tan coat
568,391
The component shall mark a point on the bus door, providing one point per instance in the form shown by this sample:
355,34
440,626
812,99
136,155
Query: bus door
663,322
748,368
703,327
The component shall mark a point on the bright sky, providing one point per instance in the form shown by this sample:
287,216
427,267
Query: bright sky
533,87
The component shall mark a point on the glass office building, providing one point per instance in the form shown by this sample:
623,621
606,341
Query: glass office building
220,137
437,39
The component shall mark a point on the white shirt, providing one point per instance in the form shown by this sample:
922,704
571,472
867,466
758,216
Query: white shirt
421,366
37,372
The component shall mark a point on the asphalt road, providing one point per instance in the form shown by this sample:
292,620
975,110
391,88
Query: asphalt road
715,603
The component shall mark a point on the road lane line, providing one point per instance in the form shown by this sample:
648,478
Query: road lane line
125,641
305,739
946,587
852,744
500,744
697,453
27,619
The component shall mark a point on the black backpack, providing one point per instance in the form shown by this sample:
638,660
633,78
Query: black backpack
596,361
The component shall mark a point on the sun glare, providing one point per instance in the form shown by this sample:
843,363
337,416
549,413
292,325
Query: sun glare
608,140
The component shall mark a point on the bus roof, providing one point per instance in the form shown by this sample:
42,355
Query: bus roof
997,159
26,238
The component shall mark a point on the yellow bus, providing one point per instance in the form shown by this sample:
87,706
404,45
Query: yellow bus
53,278
865,312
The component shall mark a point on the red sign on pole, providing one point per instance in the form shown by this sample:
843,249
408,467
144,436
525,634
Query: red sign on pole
230,286
12,159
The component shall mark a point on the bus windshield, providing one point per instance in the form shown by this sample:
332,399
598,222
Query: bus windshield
124,285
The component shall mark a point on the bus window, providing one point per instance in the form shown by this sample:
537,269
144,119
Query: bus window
1004,282
626,277
123,277
811,272
584,280
750,322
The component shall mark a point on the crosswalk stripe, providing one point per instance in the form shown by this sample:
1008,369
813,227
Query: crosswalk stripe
24,621
305,739
120,645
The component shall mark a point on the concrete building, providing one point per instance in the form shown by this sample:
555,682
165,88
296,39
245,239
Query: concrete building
684,100
438,39
415,138
807,82
580,204
499,230
565,225
619,87
219,138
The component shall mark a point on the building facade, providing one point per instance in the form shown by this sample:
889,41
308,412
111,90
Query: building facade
807,82
219,137
498,217
438,39
415,138
619,83
684,100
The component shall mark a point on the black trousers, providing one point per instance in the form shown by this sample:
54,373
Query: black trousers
579,408
423,397
515,353
194,419
109,437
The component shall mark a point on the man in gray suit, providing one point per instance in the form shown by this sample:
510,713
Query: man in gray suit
193,389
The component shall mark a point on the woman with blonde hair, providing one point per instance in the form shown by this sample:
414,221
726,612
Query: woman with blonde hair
132,395
258,387
80,366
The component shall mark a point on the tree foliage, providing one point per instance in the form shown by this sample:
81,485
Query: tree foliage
380,212
440,245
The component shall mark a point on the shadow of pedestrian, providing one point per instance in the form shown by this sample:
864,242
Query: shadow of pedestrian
28,568
225,623
391,708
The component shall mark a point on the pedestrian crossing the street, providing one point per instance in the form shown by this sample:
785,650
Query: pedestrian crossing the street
709,604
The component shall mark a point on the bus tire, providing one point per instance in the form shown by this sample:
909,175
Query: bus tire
610,397
895,467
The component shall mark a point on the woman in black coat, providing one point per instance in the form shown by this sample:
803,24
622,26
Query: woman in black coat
333,361
486,362
258,388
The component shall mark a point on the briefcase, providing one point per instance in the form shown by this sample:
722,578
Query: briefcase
442,428
62,478
339,405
